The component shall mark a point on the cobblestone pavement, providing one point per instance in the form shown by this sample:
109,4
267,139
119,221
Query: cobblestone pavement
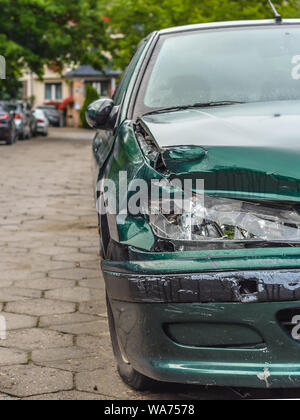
51,290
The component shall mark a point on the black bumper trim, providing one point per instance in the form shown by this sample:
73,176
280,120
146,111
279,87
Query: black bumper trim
239,287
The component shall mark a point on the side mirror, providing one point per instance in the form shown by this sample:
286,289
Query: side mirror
102,114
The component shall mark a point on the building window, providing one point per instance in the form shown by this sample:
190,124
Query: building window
53,91
101,86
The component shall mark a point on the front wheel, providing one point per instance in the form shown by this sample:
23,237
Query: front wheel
129,375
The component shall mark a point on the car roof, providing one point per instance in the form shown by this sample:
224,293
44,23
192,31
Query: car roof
229,24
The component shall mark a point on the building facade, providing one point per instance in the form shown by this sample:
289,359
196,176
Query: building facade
67,91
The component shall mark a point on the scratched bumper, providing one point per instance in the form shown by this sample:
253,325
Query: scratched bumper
145,331
246,286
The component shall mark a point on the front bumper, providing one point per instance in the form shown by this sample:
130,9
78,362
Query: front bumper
220,327
156,346
4,132
41,128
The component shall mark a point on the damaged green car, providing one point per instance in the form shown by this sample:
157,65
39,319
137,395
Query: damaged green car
209,293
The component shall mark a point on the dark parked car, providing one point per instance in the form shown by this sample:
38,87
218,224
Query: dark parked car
55,117
24,119
208,293
8,131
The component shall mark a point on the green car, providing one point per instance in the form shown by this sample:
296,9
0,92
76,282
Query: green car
207,292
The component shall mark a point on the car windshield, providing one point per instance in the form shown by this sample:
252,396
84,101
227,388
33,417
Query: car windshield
11,107
48,109
241,65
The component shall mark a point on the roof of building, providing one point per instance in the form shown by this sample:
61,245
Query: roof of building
89,71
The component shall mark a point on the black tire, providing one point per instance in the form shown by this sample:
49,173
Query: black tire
30,134
12,138
129,375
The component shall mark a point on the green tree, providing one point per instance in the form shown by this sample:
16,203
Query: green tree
38,32
134,19
91,96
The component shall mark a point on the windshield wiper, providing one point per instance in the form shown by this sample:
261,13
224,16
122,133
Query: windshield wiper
216,103
197,105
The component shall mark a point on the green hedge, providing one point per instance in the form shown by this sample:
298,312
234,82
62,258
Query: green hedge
91,96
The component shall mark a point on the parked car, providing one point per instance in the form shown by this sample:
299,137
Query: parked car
24,119
54,116
209,294
8,131
42,122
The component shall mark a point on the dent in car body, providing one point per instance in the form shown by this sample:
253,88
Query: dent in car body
247,150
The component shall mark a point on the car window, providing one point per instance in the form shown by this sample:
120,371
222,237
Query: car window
124,82
11,107
247,65
38,113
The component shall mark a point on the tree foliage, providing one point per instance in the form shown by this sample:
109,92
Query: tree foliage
134,19
38,32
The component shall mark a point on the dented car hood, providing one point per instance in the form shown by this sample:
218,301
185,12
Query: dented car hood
247,148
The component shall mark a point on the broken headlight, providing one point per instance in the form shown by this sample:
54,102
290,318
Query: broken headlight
223,220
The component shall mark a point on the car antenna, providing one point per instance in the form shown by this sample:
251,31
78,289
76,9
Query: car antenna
277,15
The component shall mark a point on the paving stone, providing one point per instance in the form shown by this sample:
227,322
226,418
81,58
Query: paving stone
91,263
104,382
68,396
11,356
12,294
45,284
29,380
5,283
97,283
78,243
76,257
63,353
4,397
13,275
52,266
40,307
75,318
72,294
94,308
90,250
17,322
98,346
78,274
56,250
36,338
95,328
79,365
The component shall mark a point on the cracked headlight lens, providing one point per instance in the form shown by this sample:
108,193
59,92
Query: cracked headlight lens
222,219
